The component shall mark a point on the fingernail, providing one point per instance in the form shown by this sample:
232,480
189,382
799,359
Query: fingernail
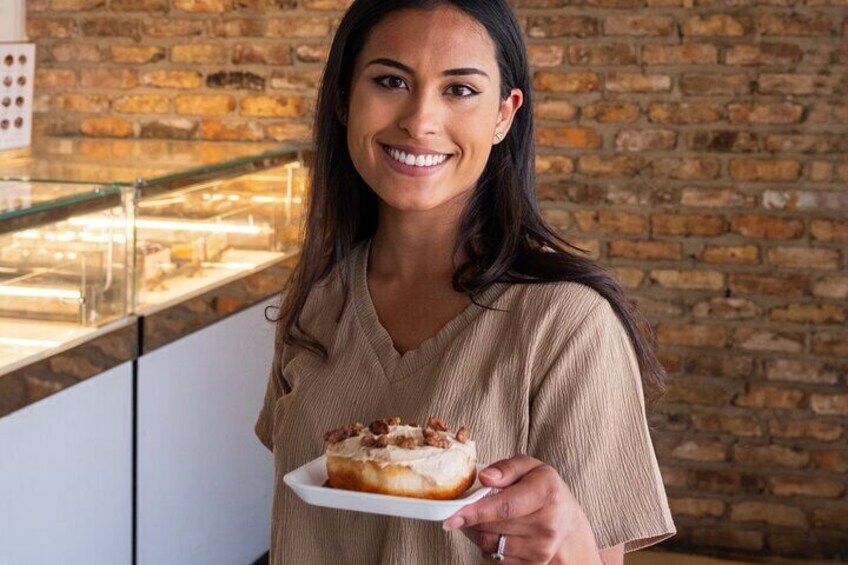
454,523
493,473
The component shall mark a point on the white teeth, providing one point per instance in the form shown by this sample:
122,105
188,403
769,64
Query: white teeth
417,161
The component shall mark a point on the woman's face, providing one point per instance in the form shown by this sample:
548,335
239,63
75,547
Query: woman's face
404,107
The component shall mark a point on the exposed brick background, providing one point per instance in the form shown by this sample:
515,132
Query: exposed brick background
698,147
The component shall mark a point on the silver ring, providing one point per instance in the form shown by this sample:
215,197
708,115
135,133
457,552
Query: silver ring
499,554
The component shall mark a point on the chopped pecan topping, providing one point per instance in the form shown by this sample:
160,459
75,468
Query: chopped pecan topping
379,427
393,421
436,424
407,442
462,435
341,434
436,439
412,424
375,441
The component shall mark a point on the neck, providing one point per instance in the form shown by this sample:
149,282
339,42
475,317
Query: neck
408,251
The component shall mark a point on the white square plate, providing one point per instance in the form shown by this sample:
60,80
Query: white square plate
307,482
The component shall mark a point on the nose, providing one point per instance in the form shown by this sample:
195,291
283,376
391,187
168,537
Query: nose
422,114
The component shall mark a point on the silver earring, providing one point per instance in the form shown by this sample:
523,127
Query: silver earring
499,135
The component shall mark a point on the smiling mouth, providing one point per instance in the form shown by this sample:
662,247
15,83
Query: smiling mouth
410,160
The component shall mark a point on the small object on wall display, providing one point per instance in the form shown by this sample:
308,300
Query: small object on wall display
17,69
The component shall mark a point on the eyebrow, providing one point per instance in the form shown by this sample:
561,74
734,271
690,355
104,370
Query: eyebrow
448,73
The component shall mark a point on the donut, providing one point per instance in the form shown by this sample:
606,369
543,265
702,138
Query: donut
388,457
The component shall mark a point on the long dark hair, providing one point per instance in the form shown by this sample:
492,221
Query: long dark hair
501,230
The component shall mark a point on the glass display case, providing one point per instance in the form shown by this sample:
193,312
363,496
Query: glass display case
61,277
130,226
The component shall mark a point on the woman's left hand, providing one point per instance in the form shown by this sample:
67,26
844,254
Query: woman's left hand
535,511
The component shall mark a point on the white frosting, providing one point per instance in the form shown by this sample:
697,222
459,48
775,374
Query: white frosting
442,466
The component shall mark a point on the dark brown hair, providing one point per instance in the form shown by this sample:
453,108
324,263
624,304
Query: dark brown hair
501,230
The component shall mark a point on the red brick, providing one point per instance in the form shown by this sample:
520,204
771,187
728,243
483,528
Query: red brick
645,140
746,426
687,224
553,81
804,258
618,166
823,230
629,277
801,371
611,221
635,25
806,486
691,335
682,113
703,280
593,54
696,506
831,460
700,450
725,481
831,518
775,514
830,344
832,287
810,25
752,283
611,111
637,82
685,168
726,309
813,429
715,198
648,250
765,113
770,397
695,391
767,340
718,25
809,313
568,138
686,54
770,456
734,254
767,227
830,404
764,170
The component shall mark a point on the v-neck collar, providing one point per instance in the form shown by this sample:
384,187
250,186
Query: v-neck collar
395,365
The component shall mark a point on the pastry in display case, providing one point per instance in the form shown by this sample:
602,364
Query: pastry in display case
61,278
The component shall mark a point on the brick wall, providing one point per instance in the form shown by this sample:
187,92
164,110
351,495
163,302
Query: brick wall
696,146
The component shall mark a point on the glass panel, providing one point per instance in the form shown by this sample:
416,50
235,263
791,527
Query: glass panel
128,162
18,198
61,281
204,234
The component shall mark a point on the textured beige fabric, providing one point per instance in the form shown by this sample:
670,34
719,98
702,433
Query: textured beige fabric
553,376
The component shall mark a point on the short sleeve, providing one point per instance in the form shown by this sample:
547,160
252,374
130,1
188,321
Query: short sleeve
276,387
264,427
587,420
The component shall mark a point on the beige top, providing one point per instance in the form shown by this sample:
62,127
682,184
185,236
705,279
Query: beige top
553,375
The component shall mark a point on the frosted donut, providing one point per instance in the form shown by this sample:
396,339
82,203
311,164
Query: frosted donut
402,460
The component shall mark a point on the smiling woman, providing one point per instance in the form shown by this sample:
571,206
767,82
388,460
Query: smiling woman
429,284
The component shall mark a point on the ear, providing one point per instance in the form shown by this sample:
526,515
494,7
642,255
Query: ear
508,108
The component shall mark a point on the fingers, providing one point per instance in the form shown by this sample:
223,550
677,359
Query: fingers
517,549
536,490
508,471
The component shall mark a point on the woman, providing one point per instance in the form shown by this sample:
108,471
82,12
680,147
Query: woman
429,285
